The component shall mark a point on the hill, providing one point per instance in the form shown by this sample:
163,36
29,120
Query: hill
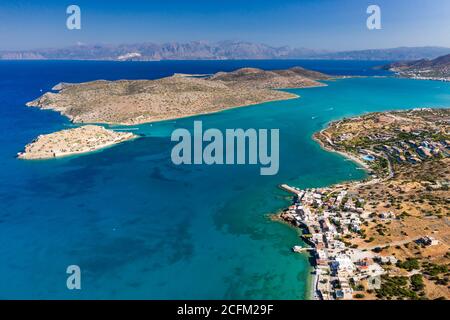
436,69
392,54
140,101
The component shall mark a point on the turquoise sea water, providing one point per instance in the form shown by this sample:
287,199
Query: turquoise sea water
140,227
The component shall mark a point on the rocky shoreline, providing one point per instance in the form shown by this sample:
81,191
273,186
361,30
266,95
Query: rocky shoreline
73,141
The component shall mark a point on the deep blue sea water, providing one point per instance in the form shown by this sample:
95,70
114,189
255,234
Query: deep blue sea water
141,227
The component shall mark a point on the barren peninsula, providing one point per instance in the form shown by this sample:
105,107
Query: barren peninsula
139,101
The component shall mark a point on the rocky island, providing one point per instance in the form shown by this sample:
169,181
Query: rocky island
139,101
386,237
73,141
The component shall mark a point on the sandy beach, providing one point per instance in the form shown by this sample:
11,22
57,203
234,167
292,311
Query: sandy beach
344,154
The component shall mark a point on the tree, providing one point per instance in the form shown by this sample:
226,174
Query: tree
409,264
417,282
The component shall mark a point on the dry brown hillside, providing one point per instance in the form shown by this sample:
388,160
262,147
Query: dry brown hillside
140,101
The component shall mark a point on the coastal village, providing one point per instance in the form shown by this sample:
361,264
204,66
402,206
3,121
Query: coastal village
418,76
361,245
328,217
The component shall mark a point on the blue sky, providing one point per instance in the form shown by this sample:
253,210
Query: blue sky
317,24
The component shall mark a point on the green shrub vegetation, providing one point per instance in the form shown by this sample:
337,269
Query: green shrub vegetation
409,264
417,282
395,287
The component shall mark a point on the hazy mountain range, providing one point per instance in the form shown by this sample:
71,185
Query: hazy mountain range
225,50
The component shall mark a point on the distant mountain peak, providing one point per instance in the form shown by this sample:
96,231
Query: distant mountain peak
129,56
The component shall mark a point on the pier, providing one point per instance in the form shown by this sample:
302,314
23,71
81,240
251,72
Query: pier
300,249
287,188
